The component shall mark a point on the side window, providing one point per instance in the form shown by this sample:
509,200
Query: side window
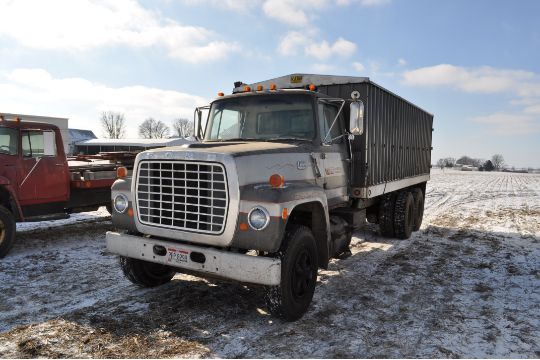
33,144
327,114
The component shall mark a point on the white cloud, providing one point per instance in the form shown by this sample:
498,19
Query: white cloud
240,6
358,66
85,25
523,85
402,62
363,2
323,50
510,124
292,42
37,92
478,80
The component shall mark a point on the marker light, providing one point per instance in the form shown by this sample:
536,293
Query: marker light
273,87
312,87
247,89
259,88
276,181
220,94
121,172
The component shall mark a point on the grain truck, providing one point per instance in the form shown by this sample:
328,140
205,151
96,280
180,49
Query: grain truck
285,170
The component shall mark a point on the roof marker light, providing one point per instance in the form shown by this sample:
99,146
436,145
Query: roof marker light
273,87
220,94
259,88
247,89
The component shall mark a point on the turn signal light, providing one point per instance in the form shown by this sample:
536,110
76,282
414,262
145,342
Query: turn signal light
273,87
285,214
130,212
243,226
277,181
121,172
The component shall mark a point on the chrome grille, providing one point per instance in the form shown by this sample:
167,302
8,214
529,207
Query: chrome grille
183,195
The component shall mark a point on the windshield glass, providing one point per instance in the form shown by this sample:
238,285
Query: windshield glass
8,141
262,117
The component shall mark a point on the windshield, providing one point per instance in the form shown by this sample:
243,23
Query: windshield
8,141
261,117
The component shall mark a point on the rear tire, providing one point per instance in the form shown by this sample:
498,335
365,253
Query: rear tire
418,196
386,215
291,298
7,231
404,215
144,273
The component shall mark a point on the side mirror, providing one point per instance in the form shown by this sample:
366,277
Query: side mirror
199,128
356,121
49,148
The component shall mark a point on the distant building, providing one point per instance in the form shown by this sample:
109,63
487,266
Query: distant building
78,135
94,146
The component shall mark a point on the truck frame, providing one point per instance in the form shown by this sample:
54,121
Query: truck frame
284,171
38,182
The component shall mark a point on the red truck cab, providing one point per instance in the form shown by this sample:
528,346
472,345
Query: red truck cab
38,181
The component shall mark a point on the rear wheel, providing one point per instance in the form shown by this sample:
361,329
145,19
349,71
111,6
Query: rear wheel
404,215
7,231
291,298
144,273
418,196
386,215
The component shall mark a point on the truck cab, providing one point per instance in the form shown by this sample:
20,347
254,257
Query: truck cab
267,196
38,181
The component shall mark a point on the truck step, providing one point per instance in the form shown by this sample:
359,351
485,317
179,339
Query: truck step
48,217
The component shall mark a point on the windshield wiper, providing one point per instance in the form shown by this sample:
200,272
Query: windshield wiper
285,138
238,139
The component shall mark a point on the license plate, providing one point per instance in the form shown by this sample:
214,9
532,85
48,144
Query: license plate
177,256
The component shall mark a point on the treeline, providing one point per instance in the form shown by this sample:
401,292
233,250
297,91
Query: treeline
114,127
495,163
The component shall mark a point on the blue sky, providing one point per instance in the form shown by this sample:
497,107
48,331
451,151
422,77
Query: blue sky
474,64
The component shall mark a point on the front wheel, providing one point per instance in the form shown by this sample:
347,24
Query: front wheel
144,273
291,298
7,231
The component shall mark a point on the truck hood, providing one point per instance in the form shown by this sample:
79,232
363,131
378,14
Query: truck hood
240,148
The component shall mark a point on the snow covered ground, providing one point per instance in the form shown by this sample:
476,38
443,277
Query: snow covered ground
466,285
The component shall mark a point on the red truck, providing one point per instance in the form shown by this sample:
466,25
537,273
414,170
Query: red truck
38,182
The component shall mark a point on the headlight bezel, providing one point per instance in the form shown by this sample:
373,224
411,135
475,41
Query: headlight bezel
124,197
266,214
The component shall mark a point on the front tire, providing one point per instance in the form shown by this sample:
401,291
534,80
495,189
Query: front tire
144,273
291,298
7,231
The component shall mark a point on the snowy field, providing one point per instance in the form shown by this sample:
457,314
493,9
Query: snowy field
466,285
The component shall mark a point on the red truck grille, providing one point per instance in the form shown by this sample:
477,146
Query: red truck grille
182,195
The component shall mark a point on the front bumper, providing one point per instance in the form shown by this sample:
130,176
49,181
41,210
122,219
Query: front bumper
225,264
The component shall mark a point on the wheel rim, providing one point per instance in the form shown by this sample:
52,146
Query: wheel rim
2,232
302,274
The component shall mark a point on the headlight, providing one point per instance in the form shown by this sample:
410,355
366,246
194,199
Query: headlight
258,218
120,203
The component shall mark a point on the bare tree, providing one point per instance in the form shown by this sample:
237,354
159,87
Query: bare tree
498,161
153,129
441,163
183,127
113,123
